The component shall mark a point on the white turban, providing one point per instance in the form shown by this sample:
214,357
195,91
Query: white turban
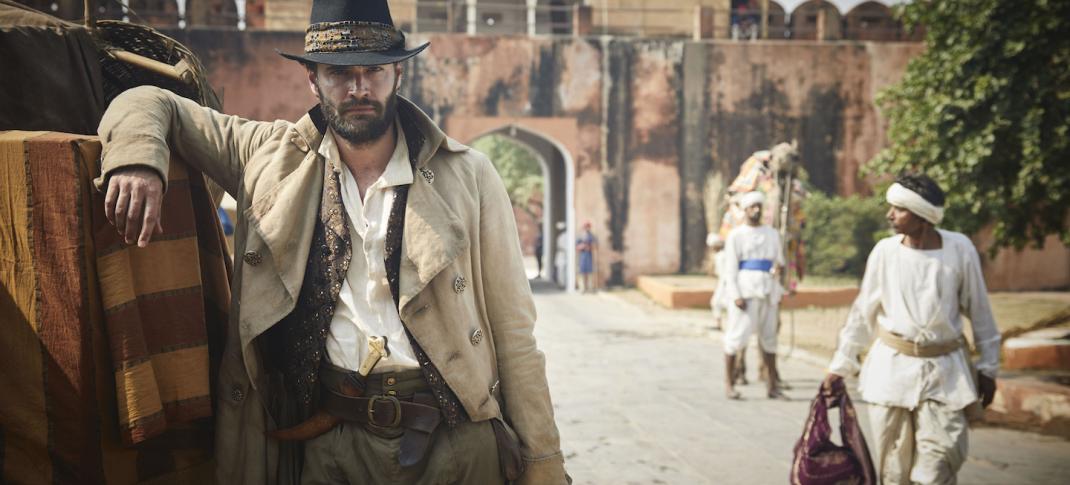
713,238
912,201
751,198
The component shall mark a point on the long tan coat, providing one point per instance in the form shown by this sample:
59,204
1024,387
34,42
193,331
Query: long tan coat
458,225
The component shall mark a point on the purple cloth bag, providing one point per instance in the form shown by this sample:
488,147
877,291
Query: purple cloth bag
820,461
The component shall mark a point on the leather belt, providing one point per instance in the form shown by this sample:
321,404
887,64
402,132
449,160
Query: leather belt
385,411
419,415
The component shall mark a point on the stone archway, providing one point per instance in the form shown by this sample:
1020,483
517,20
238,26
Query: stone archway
559,175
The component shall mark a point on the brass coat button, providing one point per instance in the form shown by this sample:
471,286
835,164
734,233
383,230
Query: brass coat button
459,284
252,258
236,394
391,381
477,336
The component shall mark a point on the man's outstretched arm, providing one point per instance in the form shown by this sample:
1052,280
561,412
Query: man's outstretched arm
511,314
140,130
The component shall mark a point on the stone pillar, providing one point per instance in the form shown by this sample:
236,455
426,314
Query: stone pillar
822,18
451,17
704,23
581,20
828,23
240,6
765,19
695,156
531,16
722,18
181,13
470,17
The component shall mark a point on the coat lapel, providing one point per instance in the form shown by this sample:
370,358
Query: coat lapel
433,238
283,217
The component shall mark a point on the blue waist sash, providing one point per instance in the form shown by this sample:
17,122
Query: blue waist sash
756,264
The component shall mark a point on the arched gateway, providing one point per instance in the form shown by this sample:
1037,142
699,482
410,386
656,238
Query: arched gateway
548,140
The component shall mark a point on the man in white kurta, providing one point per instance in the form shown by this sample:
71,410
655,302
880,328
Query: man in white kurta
918,292
717,300
752,258
561,248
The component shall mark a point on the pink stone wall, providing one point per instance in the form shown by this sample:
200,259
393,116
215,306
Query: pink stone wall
618,107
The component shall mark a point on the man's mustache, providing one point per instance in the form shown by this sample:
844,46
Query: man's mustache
347,105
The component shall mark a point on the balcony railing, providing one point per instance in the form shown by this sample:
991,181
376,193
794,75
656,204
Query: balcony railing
518,18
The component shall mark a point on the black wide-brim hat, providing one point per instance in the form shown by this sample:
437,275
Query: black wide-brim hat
353,33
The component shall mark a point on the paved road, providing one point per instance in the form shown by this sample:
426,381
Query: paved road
639,400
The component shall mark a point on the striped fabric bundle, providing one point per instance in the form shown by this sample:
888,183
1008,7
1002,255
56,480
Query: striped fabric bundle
109,352
160,303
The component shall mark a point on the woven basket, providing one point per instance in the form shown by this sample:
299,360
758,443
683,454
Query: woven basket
145,41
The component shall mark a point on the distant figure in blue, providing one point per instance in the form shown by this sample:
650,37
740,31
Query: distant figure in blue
538,249
586,245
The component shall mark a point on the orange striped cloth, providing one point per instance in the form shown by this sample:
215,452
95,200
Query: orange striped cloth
162,305
109,352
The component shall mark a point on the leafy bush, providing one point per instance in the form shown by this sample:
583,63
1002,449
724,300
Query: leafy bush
518,167
840,232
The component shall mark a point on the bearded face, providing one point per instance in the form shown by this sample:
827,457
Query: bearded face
359,121
359,102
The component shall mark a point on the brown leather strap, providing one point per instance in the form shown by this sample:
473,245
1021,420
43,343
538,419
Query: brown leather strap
913,349
419,417
383,411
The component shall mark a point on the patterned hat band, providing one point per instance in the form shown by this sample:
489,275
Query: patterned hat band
352,36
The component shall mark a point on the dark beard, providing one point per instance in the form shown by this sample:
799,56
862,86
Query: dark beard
363,131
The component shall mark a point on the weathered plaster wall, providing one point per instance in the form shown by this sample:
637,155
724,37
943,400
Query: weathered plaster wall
821,94
644,120
1047,268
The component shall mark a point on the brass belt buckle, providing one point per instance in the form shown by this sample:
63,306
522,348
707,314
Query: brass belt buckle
397,411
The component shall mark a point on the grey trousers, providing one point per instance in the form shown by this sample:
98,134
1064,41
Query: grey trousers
357,453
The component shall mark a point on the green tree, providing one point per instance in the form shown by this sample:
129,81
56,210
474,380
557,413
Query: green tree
840,232
985,111
518,167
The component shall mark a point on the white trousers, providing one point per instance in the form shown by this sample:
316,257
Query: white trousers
927,445
561,264
760,316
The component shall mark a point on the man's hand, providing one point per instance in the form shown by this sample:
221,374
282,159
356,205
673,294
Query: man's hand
986,386
832,381
741,303
132,203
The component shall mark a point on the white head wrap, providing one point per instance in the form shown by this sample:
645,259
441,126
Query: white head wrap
912,201
712,239
751,198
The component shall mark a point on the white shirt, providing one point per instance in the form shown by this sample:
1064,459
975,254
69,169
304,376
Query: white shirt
561,254
720,264
750,242
365,304
921,296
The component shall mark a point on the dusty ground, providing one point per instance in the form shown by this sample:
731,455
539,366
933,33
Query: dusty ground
638,397
815,329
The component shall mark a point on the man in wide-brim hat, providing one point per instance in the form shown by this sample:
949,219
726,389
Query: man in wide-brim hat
362,221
